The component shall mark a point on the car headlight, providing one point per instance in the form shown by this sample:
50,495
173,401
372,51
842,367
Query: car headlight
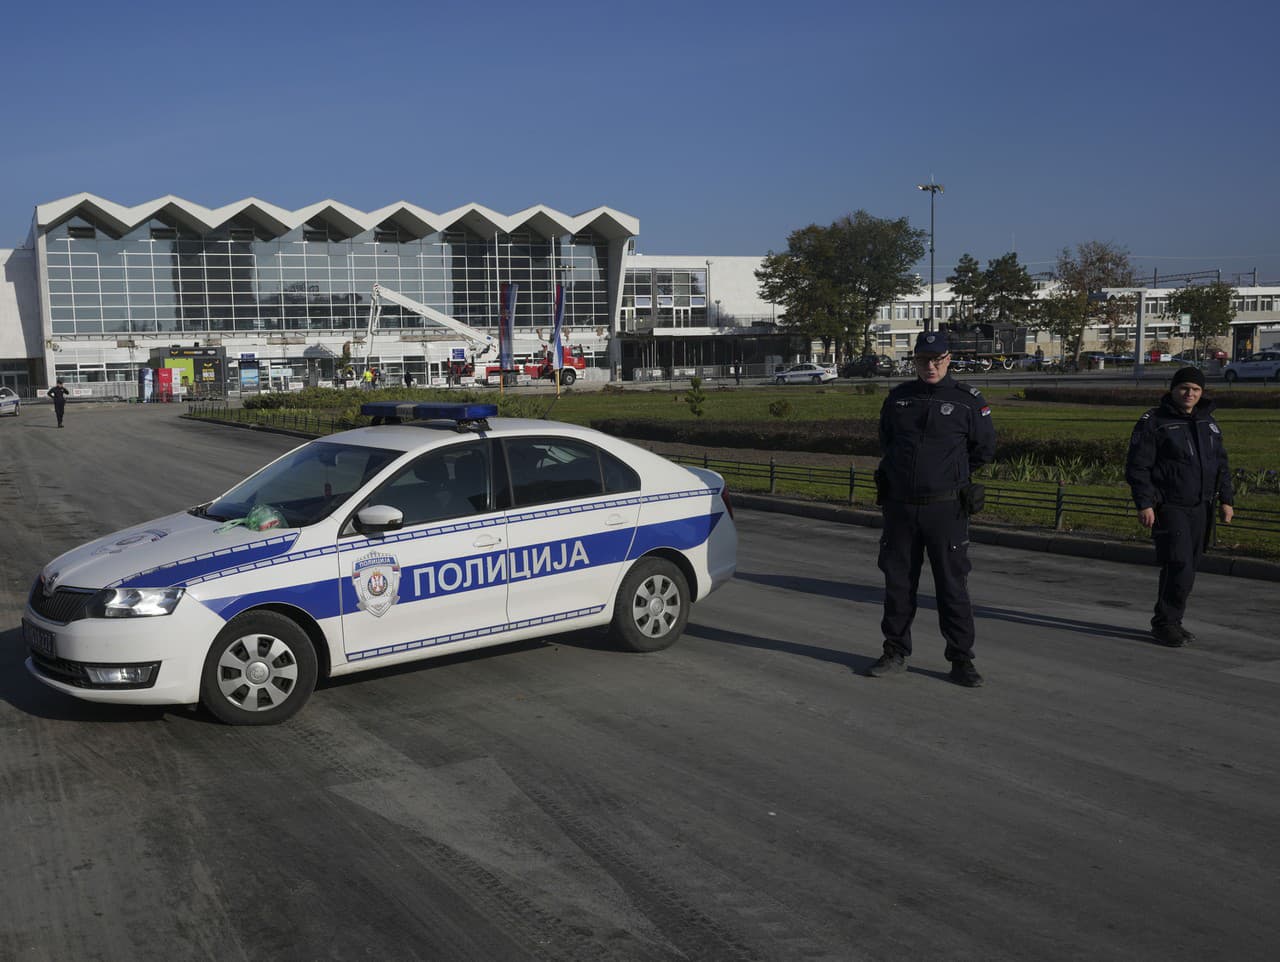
134,602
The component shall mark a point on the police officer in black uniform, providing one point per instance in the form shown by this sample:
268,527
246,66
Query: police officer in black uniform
1177,467
934,433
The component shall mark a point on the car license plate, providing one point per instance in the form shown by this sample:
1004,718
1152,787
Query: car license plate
39,639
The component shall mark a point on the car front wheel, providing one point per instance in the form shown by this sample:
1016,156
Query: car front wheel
1231,376
652,607
779,380
260,670
568,376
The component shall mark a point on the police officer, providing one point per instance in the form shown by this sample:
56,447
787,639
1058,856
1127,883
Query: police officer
934,433
59,394
1177,467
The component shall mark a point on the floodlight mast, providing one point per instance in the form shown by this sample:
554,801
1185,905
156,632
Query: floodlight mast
934,190
484,342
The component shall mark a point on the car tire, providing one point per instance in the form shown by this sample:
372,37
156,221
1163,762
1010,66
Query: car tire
568,376
652,606
1230,377
260,670
816,379
779,380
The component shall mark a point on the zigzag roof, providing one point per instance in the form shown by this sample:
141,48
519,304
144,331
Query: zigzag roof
277,220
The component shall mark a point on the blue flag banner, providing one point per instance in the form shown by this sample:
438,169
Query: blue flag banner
507,326
557,351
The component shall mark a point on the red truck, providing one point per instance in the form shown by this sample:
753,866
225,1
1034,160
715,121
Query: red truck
539,366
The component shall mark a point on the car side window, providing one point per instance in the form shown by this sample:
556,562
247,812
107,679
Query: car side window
552,469
618,475
450,483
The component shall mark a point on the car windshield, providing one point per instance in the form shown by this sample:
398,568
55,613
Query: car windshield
306,485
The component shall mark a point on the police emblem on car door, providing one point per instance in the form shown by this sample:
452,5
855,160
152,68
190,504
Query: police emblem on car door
377,581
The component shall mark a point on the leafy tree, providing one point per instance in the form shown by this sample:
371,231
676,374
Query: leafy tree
1210,308
966,287
1065,312
831,280
1008,292
1094,266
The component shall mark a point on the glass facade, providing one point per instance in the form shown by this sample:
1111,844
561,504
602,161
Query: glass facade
161,277
664,298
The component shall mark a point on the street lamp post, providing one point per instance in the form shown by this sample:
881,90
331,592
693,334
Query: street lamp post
934,190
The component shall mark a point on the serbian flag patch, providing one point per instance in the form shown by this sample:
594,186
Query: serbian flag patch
986,411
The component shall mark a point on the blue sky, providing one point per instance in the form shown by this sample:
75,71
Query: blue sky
721,126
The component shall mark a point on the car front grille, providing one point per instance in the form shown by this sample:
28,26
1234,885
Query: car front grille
64,605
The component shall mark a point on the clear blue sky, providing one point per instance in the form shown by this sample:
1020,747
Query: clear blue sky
721,126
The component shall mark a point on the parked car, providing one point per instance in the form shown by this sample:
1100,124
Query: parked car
869,365
10,403
805,374
1263,364
377,546
1197,357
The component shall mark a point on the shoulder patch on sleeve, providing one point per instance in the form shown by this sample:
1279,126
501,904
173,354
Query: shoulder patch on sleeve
973,390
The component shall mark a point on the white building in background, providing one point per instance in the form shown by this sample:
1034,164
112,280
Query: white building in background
99,287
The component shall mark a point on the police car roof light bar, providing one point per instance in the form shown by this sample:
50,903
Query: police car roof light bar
393,412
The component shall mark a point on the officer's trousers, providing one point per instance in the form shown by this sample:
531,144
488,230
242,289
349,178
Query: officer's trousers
941,529
1179,535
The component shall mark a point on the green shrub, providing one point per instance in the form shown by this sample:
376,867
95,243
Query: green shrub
780,408
1225,397
694,397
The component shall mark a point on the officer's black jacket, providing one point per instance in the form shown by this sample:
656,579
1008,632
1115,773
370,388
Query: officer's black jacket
1178,458
932,437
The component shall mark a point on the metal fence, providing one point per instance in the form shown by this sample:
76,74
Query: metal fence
1048,504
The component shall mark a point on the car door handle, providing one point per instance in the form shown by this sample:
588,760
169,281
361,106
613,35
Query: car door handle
486,541
615,519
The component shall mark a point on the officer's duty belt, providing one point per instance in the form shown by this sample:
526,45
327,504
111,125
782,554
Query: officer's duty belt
928,499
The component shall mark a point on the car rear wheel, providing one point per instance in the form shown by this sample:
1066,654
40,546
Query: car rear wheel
779,380
1231,376
260,670
652,607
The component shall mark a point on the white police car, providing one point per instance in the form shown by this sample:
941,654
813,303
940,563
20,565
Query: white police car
10,403
382,545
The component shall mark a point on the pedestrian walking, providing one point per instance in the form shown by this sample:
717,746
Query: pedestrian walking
934,434
408,379
1177,468
59,394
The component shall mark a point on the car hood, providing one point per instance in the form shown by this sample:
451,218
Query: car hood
179,549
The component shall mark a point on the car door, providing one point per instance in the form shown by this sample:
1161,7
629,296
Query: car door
573,515
438,580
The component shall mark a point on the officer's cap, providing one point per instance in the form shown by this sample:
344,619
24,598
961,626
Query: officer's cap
1183,375
931,342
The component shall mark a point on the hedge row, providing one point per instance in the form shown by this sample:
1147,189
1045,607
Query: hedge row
1225,397
849,437
346,402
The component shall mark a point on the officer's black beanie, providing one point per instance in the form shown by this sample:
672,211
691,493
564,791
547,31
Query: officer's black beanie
1192,374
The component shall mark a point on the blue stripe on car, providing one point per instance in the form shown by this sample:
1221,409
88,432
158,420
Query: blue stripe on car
330,597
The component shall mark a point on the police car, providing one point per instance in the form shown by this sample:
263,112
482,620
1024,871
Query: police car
440,529
10,403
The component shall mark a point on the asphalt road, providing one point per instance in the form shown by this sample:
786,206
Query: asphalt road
744,795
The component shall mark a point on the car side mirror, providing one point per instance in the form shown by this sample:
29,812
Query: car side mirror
378,518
